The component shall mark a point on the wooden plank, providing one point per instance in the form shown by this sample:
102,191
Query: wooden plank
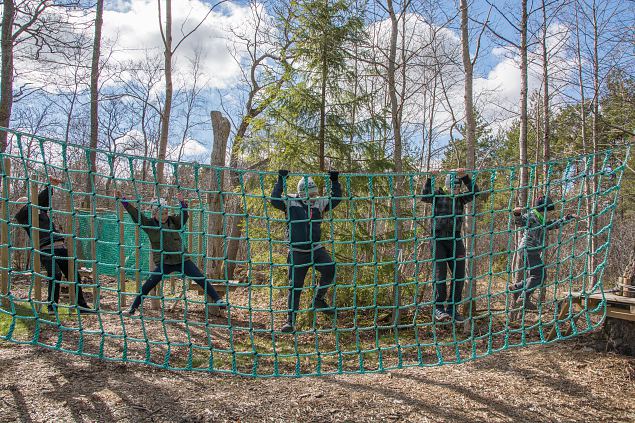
619,313
121,282
137,257
155,303
70,247
576,309
564,311
35,244
93,249
199,258
608,296
4,232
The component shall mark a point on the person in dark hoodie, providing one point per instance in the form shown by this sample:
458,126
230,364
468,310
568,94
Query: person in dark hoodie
535,226
304,216
448,248
168,252
53,252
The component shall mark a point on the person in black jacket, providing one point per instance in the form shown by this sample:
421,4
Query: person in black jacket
304,215
53,252
168,253
448,249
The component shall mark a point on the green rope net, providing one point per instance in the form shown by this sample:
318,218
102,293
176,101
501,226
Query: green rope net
381,244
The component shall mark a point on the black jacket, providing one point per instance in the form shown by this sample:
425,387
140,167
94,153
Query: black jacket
449,209
165,238
304,220
46,228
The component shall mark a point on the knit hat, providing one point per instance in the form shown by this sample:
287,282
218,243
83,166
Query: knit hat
544,202
307,184
158,203
452,178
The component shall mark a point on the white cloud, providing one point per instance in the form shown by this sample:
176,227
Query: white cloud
134,26
498,93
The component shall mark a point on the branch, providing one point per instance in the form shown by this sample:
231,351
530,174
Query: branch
199,24
478,40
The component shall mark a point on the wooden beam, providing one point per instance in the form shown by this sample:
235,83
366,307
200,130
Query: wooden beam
121,282
564,311
619,313
4,232
35,244
70,247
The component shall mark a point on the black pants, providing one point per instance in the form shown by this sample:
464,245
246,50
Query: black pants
529,262
58,257
299,265
448,254
188,268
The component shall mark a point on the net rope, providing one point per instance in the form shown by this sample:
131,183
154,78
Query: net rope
382,241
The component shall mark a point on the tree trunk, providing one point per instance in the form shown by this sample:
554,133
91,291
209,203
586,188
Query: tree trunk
6,76
94,99
215,225
594,139
546,135
322,133
587,180
396,127
545,117
470,139
167,109
522,140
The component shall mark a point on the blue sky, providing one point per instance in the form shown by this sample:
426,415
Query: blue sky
131,26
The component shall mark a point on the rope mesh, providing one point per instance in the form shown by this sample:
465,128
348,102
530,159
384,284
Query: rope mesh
380,239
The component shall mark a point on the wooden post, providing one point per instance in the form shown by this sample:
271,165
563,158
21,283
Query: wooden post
137,258
155,303
121,284
564,304
93,248
35,242
70,247
4,232
627,281
221,127
199,259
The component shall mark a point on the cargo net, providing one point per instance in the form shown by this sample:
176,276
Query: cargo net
405,273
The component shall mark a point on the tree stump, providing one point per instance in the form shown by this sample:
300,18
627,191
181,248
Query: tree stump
619,335
628,280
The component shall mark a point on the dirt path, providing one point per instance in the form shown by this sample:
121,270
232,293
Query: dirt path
563,382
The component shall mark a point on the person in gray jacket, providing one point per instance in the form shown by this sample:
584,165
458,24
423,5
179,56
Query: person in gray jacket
536,225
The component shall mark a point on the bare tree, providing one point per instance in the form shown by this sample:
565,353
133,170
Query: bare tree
23,23
470,134
168,53
94,94
396,114
263,76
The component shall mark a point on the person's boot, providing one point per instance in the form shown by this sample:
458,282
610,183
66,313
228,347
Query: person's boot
288,327
529,305
221,304
131,311
440,315
319,304
84,308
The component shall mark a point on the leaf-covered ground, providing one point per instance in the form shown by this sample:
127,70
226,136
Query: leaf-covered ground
568,381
